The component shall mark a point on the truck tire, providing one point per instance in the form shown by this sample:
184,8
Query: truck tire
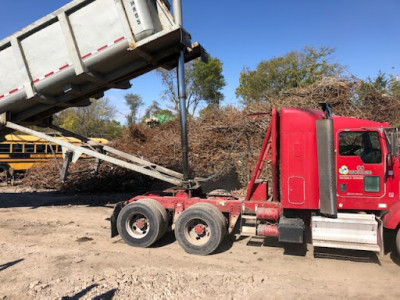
157,205
398,241
140,224
218,214
200,229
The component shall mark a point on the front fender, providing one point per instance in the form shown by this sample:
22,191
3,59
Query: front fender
392,219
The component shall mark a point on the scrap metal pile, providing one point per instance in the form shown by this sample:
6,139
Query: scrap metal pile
223,143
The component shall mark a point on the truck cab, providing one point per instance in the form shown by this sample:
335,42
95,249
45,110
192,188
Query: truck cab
344,171
365,179
364,165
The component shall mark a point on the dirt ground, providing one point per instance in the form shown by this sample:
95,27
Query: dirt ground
58,246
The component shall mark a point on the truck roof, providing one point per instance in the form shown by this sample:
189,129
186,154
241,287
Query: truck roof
300,115
352,123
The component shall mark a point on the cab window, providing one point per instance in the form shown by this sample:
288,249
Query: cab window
364,144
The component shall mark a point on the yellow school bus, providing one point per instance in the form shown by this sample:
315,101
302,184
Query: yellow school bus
21,152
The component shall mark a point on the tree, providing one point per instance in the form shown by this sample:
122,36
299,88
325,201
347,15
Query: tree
134,102
152,110
208,81
379,98
394,86
204,82
385,84
95,120
295,69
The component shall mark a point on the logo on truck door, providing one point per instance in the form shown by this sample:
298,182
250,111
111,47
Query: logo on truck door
344,170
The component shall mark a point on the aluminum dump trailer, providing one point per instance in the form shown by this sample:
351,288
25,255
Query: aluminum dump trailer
84,48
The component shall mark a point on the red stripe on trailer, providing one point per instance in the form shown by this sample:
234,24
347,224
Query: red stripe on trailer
49,74
118,40
63,67
102,48
87,55
1,96
36,80
13,91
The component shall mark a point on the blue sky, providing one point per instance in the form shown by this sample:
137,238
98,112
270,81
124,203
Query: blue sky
365,34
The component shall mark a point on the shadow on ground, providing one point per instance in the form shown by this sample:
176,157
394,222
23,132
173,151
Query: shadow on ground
167,239
105,296
395,258
39,199
10,264
345,254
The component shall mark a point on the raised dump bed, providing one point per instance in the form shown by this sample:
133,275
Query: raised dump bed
82,49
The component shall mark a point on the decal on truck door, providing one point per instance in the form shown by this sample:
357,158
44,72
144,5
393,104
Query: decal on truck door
344,170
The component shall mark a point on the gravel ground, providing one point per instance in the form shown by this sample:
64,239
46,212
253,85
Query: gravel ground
56,246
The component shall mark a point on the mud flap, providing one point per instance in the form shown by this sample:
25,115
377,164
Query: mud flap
381,241
113,219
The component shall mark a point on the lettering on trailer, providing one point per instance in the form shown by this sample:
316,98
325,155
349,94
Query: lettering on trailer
135,12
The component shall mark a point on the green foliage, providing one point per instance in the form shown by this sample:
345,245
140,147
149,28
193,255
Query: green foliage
386,84
154,110
208,80
204,82
165,116
95,120
380,82
380,96
134,102
295,69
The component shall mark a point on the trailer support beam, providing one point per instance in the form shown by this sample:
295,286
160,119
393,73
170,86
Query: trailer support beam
67,160
177,6
78,150
116,152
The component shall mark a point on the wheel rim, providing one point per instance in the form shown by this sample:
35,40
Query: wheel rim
137,225
197,232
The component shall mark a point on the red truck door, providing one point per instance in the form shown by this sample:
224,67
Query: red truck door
360,167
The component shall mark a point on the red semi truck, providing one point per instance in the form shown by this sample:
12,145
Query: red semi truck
337,176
